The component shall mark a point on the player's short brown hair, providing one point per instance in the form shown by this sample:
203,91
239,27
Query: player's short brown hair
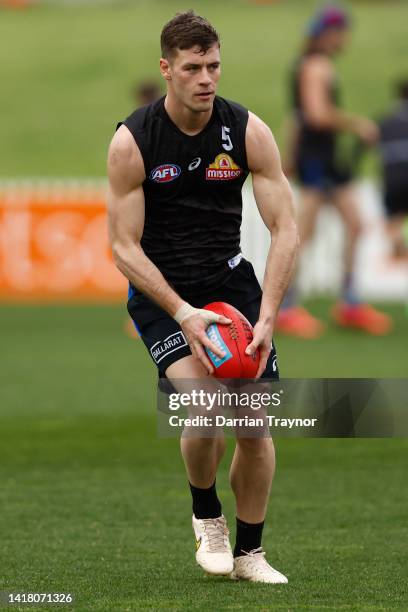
187,30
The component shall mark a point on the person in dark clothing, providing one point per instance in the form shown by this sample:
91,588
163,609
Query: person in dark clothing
312,158
176,169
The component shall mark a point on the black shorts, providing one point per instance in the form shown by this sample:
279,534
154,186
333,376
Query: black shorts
321,173
396,202
162,335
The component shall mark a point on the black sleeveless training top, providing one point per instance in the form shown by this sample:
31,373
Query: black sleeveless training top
192,192
313,142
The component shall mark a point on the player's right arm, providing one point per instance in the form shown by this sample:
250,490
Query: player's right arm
126,212
316,76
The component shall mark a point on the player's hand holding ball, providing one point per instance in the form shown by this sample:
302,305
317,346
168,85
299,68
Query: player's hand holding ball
262,342
234,340
194,323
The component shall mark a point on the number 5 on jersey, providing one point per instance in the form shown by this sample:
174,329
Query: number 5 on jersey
226,138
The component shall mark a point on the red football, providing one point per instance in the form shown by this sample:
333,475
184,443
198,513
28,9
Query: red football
233,340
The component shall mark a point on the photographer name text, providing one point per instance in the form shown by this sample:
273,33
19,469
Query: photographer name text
221,421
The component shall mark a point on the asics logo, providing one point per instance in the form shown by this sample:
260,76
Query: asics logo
198,543
195,163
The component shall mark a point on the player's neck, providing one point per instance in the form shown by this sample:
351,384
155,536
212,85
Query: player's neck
187,121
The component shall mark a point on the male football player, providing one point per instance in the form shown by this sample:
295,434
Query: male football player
176,170
313,159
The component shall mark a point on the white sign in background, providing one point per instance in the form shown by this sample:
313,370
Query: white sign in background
321,266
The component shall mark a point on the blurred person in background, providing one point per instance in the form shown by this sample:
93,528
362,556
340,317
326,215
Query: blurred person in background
146,92
311,158
394,161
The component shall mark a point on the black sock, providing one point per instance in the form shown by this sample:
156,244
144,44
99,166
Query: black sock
249,537
205,502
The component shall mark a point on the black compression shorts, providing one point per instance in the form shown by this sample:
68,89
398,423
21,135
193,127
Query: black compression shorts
162,335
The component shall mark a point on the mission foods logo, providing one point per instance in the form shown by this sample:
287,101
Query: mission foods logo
165,173
222,169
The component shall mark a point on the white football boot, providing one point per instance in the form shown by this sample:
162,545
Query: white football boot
213,549
254,567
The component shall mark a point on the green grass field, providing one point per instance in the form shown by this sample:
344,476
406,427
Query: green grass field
68,70
93,503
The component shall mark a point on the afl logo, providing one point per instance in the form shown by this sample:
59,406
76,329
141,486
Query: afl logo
165,173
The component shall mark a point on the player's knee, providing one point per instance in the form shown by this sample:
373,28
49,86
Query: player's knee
257,448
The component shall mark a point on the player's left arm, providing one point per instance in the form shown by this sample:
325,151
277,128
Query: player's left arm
274,199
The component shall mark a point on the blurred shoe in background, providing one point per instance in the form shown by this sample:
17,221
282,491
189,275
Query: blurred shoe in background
363,317
297,321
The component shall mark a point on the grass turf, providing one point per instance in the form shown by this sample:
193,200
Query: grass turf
70,70
94,504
